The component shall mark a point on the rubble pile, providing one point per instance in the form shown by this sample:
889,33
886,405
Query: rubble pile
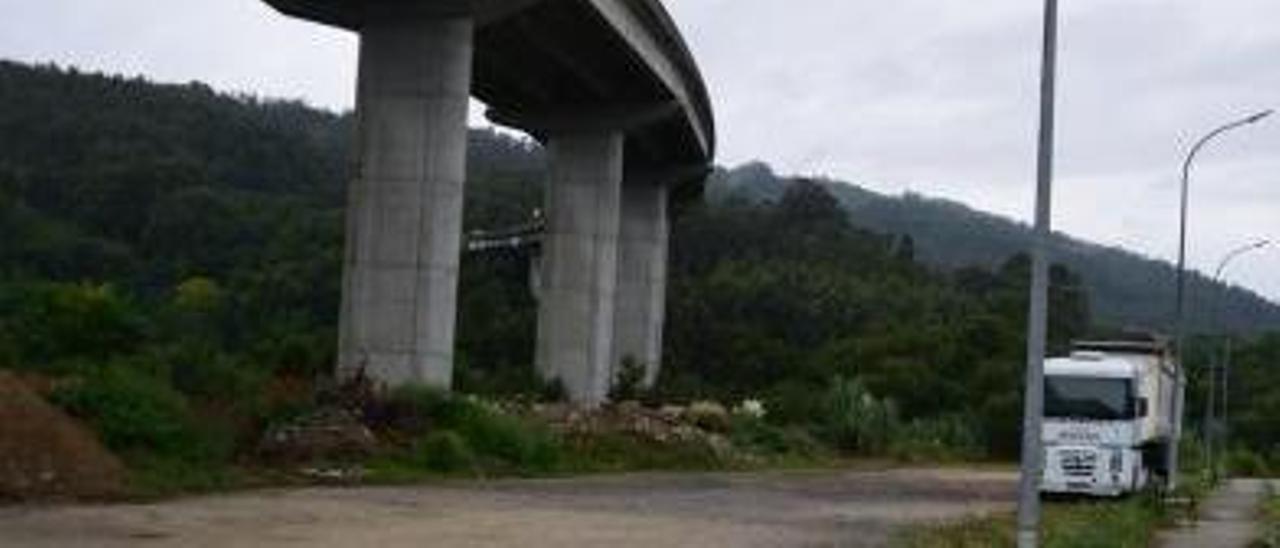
329,434
700,424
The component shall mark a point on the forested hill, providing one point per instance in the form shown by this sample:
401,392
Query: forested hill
1126,289
112,178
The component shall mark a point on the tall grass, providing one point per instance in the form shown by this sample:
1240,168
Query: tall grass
1128,523
1269,516
855,421
458,435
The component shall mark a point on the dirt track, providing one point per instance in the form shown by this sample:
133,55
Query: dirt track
860,508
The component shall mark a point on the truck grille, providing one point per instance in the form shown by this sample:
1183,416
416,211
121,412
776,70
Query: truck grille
1078,463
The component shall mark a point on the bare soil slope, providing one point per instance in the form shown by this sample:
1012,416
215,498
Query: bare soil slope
46,454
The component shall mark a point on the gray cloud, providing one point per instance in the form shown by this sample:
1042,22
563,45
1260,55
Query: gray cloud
237,45
940,97
936,96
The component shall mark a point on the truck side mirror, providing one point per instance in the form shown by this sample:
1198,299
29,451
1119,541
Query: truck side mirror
1142,408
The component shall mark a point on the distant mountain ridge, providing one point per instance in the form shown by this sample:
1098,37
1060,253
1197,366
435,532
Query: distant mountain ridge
1127,289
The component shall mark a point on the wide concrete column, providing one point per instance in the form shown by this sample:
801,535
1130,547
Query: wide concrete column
580,262
642,278
404,216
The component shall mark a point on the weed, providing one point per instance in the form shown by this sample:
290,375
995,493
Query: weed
444,451
1127,523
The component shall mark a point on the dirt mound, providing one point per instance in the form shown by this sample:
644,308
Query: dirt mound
46,454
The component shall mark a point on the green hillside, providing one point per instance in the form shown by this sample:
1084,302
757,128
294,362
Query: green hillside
1128,290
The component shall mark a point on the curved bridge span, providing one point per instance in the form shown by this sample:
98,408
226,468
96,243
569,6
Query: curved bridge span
608,86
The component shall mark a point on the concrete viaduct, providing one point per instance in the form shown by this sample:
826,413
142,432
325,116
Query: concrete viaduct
608,86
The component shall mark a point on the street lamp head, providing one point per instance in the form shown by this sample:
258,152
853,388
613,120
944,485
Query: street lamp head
1259,116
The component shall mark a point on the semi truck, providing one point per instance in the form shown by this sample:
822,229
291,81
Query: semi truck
1108,417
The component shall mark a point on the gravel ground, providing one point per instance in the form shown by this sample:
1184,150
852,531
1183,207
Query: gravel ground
828,508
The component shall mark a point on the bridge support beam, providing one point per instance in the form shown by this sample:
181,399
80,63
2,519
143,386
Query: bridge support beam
642,278
580,263
404,216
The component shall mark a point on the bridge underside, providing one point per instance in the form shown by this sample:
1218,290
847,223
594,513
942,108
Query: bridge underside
607,85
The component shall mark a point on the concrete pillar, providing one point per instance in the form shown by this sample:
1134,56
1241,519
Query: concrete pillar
580,263
404,216
642,278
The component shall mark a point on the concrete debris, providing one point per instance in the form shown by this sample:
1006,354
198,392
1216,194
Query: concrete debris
334,475
329,434
665,425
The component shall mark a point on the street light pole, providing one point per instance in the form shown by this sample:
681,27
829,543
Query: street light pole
1171,458
1226,394
1211,392
1037,317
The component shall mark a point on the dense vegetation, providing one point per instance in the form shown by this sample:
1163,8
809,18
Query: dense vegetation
177,254
1128,290
1253,436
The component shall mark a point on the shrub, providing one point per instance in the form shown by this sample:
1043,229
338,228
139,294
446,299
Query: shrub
8,352
855,420
1000,418
1242,462
760,437
49,322
495,438
152,427
295,351
511,441
444,451
948,437
629,382
793,402
130,410
414,410
757,436
200,372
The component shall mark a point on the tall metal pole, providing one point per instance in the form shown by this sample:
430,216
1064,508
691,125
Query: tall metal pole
1215,364
1171,458
1225,417
1211,392
1223,362
1037,317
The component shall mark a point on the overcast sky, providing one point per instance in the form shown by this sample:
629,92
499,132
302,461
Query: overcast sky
933,96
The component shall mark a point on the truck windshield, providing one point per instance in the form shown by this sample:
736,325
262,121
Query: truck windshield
1088,398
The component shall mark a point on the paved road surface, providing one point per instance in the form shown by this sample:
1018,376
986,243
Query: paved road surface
833,508
1227,520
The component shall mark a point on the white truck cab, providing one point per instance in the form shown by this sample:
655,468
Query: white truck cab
1106,418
